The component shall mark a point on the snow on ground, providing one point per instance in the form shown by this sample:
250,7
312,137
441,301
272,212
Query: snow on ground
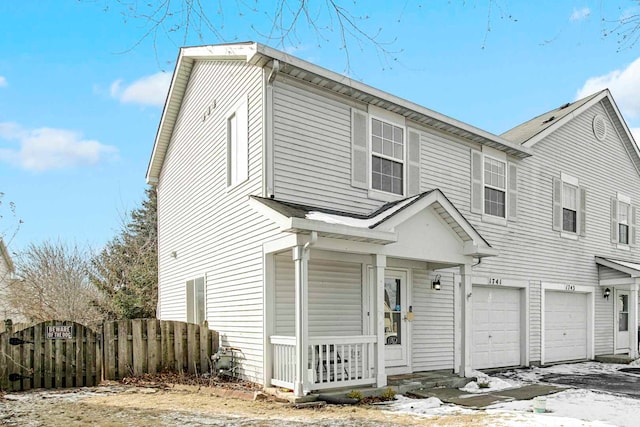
486,384
607,409
570,408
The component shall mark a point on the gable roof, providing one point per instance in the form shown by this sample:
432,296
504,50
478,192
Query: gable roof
529,133
264,56
627,267
4,253
376,227
541,124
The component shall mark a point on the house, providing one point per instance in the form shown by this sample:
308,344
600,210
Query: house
6,275
337,234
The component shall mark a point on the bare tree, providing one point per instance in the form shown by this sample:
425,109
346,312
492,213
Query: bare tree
53,283
341,24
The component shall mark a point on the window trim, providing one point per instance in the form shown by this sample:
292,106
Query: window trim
580,207
239,111
191,291
503,190
626,200
385,117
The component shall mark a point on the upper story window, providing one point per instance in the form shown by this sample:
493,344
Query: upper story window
623,223
238,145
569,207
387,157
385,154
494,186
623,219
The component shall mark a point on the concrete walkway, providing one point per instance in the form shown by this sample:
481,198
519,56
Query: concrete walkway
481,400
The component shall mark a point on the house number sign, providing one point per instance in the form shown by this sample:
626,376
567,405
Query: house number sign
495,281
59,332
570,287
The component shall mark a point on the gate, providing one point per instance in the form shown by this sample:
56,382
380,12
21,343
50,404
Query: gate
52,354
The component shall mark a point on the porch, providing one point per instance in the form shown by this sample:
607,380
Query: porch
338,297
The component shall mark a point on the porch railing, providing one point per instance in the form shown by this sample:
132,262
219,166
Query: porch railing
334,361
284,361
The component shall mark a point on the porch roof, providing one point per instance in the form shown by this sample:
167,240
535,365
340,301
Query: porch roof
378,226
627,267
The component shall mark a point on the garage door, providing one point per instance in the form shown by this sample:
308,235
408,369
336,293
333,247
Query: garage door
565,326
496,327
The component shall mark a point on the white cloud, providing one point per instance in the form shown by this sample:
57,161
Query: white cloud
636,134
148,90
580,14
624,84
3,82
48,148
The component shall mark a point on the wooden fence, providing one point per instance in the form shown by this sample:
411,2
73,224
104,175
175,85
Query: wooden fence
56,354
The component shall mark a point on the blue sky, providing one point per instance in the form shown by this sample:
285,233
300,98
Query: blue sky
81,95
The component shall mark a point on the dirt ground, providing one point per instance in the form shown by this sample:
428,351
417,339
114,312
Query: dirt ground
115,405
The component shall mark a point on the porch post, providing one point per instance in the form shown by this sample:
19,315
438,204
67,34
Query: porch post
380,262
633,322
466,319
301,262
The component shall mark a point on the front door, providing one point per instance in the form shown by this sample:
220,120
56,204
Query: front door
622,324
395,322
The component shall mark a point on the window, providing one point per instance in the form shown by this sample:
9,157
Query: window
569,207
495,188
387,157
623,223
195,301
237,145
623,218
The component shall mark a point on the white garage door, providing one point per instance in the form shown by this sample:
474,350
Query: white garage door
565,326
496,327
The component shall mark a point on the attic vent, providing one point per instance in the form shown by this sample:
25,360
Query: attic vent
562,107
599,127
549,120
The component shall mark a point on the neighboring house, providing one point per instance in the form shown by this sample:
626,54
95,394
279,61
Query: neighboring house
337,234
6,276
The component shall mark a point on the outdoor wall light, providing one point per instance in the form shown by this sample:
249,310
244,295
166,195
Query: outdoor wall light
174,254
435,285
606,293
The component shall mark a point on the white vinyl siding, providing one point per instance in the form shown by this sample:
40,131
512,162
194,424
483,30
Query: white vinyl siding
335,298
433,325
213,231
313,151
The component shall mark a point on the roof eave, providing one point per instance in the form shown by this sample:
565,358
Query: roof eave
351,233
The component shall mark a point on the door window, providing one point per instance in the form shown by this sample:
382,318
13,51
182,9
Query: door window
392,311
623,312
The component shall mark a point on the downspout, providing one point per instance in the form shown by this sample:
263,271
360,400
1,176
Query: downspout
268,147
